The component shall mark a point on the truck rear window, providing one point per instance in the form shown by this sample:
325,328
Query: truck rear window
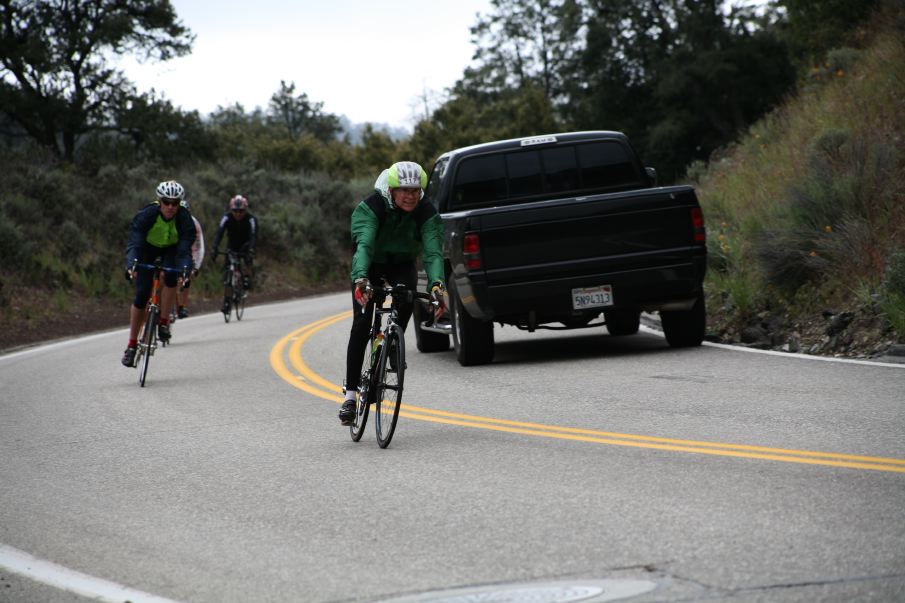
560,171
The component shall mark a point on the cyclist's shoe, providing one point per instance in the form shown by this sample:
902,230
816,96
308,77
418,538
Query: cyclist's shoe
163,332
225,308
347,413
129,356
183,312
246,283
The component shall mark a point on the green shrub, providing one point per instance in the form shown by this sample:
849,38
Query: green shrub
893,306
834,215
894,278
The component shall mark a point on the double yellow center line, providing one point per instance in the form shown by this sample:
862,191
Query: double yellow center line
301,376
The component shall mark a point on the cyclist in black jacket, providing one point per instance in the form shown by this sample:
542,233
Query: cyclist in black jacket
162,229
241,227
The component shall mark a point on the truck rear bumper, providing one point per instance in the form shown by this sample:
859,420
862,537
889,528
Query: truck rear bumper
668,287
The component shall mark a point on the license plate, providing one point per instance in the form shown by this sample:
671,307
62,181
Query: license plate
592,297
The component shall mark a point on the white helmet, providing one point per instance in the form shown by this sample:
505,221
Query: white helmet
406,174
170,190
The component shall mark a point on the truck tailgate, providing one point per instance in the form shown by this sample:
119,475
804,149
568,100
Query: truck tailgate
573,237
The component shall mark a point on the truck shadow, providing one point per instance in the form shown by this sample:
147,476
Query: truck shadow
578,347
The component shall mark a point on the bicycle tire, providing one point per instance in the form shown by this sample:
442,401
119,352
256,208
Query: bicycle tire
362,408
228,296
140,349
391,376
239,305
363,400
149,339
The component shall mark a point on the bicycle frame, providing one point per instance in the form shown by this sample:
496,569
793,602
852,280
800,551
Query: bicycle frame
147,337
233,286
384,369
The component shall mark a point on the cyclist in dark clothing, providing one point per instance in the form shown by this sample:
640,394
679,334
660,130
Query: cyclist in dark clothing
163,229
390,229
241,228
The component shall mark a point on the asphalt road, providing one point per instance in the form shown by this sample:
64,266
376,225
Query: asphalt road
574,459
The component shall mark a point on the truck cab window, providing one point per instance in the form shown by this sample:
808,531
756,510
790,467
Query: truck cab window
524,173
560,169
479,181
606,165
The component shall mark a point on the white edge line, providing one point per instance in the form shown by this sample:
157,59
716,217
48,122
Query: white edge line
738,348
50,573
735,348
39,346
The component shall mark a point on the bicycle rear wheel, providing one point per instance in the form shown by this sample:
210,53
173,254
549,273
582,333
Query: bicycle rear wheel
362,408
147,344
390,371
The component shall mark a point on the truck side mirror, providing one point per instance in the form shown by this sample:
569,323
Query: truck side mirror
652,175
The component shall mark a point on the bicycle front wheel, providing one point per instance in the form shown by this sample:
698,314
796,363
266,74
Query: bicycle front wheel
239,305
228,301
147,343
390,371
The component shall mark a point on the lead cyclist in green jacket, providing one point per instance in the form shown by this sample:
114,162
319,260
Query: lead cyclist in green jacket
389,228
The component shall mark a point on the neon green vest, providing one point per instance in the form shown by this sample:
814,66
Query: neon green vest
163,233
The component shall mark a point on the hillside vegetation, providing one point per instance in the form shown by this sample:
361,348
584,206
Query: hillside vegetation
806,214
798,167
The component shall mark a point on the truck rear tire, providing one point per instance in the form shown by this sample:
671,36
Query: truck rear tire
685,328
472,338
427,342
621,321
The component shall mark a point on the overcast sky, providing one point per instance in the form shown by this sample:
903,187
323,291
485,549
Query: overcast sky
370,60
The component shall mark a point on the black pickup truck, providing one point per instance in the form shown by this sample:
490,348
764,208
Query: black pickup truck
553,231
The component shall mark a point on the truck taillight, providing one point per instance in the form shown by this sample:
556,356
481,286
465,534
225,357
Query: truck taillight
697,225
471,249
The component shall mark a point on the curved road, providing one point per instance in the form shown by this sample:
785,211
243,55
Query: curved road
574,459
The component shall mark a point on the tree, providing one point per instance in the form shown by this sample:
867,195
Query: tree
158,130
376,151
680,77
815,27
298,115
55,78
526,42
467,118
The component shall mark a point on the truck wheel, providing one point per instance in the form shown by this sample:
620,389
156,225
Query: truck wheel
427,342
622,321
472,338
685,328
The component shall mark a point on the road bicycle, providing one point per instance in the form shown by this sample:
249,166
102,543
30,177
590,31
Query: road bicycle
147,336
234,292
384,370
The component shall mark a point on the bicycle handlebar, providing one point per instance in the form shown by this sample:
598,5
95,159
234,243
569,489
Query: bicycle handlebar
387,289
157,266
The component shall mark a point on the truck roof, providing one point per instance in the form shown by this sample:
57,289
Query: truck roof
544,139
